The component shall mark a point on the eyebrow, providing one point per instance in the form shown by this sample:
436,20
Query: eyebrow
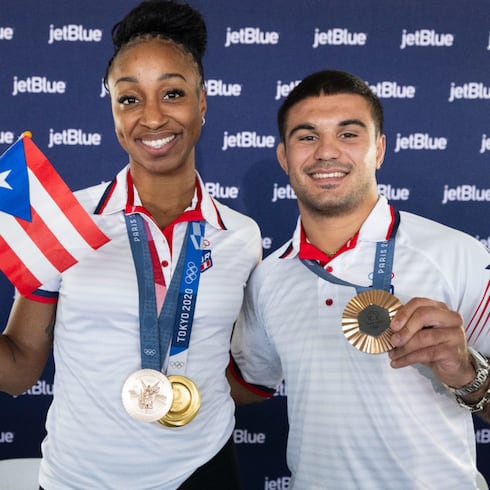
165,76
310,126
354,122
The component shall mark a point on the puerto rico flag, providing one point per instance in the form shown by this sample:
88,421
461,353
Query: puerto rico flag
43,228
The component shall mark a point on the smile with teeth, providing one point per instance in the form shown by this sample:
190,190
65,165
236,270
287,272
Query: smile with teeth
328,175
157,144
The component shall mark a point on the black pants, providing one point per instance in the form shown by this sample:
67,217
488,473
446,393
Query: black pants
219,473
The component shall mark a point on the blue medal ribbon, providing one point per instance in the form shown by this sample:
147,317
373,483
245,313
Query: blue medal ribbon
382,269
189,285
156,330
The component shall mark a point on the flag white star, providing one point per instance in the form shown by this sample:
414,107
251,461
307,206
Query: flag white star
3,179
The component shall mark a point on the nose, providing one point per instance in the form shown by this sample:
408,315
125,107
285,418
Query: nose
327,148
153,116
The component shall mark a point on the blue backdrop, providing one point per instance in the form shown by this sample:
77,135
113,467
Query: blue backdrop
429,61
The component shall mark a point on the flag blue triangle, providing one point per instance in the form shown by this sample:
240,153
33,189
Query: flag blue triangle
14,182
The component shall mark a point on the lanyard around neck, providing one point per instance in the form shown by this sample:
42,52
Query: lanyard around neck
156,330
382,269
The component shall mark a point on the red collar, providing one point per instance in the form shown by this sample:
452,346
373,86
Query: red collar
308,251
187,216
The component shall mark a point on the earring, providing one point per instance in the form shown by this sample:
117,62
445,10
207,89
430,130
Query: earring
203,121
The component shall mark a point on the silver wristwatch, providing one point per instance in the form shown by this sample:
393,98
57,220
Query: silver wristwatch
482,368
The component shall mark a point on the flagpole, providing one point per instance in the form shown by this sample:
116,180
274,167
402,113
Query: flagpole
27,134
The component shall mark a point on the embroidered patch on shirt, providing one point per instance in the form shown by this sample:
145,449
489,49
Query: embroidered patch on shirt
207,261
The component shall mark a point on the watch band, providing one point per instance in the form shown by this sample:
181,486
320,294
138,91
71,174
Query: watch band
482,368
475,407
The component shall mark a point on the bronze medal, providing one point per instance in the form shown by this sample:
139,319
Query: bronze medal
147,395
366,320
186,402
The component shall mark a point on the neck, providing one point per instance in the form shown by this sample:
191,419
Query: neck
166,197
330,233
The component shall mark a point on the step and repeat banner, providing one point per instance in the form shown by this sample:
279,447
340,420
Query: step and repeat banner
429,62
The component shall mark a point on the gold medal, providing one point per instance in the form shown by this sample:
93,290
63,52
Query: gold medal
147,395
186,402
366,320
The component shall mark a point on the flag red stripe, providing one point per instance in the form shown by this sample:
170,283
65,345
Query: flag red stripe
47,242
16,271
479,312
62,195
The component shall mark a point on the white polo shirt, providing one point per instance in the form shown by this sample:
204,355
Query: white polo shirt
356,423
91,442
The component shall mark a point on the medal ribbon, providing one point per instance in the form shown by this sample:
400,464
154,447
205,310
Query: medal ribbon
383,265
156,330
183,313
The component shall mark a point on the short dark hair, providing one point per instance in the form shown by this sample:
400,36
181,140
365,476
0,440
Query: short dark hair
165,19
330,82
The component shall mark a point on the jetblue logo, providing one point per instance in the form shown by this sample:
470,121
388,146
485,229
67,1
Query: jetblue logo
250,35
469,91
6,33
392,90
6,437
483,436
247,139
485,143
220,88
243,436
419,141
426,38
394,193
465,193
41,388
73,33
338,37
281,483
37,85
73,137
280,192
266,243
219,191
7,138
283,89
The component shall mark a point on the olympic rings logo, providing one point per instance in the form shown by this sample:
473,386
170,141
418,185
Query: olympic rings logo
191,273
150,352
177,364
